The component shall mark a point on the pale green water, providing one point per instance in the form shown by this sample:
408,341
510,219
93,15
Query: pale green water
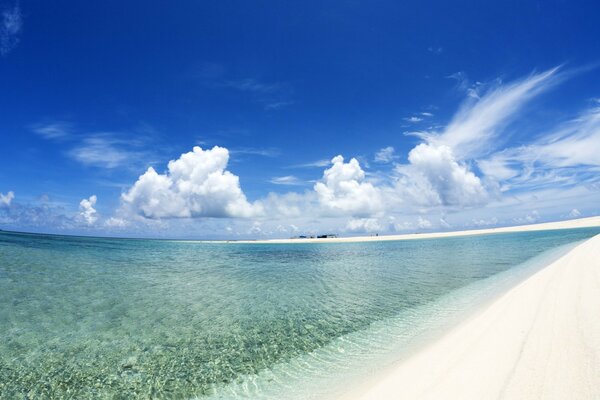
109,318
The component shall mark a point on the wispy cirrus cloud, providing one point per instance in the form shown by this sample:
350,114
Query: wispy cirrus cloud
10,29
53,130
458,175
264,152
478,124
272,95
324,162
439,172
254,86
105,151
564,156
286,180
99,149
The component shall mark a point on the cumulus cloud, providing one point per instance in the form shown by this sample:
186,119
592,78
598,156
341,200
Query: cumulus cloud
197,184
87,212
435,178
6,199
452,171
439,171
343,190
385,155
10,29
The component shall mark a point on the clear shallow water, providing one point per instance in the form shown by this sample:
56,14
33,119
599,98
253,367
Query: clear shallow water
110,318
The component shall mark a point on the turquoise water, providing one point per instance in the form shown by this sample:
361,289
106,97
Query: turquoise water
119,318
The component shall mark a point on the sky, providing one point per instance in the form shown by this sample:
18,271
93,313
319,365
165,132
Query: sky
238,119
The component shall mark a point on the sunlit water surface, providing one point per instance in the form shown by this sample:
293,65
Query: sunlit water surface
120,319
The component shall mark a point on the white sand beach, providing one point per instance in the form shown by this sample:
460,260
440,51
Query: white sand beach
540,340
568,224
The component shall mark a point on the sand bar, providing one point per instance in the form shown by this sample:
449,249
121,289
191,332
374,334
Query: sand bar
540,340
569,224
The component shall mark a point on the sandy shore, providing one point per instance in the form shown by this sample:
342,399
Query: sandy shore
574,223
540,340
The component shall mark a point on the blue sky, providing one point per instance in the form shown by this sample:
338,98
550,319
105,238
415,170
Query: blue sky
457,115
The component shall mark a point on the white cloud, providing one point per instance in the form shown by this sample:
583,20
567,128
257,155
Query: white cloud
289,205
314,164
427,114
286,180
444,224
435,178
477,125
530,218
413,119
574,213
438,173
271,152
454,171
485,222
10,29
577,143
462,81
256,228
53,131
424,223
497,168
385,155
195,185
103,151
344,191
87,212
6,199
367,225
253,85
116,222
562,157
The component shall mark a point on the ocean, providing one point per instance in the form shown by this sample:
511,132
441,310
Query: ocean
85,317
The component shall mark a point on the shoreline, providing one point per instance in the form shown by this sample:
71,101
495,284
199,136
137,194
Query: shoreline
588,222
540,339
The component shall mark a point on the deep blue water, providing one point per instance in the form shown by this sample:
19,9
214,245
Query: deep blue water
122,318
